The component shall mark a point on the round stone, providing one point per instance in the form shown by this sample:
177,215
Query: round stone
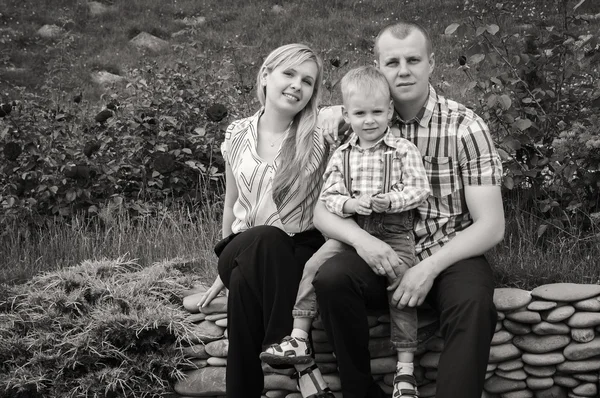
584,366
205,332
503,352
552,358
428,390
279,382
541,305
547,328
500,315
195,318
221,322
540,371
327,368
591,304
565,381
558,314
566,291
589,377
511,365
374,320
216,317
509,299
529,317
539,383
202,382
498,326
196,351
277,393
579,351
430,360
325,357
516,327
584,319
491,366
214,361
384,365
322,347
501,337
218,348
587,390
518,394
583,335
553,392
333,381
541,344
500,385
518,374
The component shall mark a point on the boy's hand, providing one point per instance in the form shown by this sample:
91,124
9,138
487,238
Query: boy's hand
363,205
380,203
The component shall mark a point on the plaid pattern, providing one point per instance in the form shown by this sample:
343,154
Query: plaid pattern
409,186
457,150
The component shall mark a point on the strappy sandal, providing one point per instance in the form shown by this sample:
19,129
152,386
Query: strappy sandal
321,392
405,392
291,351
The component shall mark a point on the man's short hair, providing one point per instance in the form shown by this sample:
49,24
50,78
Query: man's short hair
402,29
365,80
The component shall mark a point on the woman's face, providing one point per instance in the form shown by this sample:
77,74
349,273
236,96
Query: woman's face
289,88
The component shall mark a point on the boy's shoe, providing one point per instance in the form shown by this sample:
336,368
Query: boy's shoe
319,385
291,351
405,392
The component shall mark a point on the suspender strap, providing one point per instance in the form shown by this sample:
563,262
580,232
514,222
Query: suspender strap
387,172
346,170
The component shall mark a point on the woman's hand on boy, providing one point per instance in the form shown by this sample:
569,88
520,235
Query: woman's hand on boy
211,293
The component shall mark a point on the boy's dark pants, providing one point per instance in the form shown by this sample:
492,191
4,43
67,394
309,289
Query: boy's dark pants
463,296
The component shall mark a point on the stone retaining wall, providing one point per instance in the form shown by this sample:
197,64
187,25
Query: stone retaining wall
546,345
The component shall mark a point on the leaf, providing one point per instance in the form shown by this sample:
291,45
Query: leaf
508,182
155,174
71,195
53,189
541,229
451,28
492,29
503,154
477,58
505,101
480,30
523,124
200,131
187,150
492,100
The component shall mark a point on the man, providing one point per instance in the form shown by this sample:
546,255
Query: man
461,220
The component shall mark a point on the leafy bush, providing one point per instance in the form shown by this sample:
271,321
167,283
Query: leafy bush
103,329
158,142
540,93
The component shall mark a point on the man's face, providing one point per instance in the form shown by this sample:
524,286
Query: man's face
406,66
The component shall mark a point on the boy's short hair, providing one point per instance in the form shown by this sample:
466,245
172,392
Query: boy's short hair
365,80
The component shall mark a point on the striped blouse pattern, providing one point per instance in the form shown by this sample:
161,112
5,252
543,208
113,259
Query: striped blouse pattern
457,150
254,180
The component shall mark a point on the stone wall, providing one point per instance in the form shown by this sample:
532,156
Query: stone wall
546,345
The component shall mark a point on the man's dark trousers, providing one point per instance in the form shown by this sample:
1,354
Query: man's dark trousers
463,296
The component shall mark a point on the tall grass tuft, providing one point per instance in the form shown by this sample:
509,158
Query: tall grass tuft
103,328
177,232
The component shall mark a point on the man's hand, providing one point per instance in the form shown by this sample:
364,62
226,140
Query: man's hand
412,288
382,259
380,203
329,120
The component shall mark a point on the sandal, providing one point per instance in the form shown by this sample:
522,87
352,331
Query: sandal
291,351
405,392
321,392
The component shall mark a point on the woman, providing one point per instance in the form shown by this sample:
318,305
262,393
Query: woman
274,163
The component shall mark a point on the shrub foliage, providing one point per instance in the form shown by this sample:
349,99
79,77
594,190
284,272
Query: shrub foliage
539,90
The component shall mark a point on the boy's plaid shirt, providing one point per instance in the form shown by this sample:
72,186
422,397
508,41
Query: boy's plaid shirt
408,180
457,150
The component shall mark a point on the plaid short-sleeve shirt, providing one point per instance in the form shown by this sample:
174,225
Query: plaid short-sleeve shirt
457,150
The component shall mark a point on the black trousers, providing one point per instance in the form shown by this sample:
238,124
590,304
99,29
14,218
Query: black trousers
262,268
463,296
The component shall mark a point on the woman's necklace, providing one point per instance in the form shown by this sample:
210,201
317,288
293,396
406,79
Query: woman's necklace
272,143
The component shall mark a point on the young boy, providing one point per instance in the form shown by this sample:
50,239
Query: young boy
378,179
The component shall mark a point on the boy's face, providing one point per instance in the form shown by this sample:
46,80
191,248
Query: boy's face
369,115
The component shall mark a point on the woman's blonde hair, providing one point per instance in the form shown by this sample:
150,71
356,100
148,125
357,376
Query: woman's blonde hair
298,146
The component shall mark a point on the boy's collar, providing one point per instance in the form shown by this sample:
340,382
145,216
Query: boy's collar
388,138
424,115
